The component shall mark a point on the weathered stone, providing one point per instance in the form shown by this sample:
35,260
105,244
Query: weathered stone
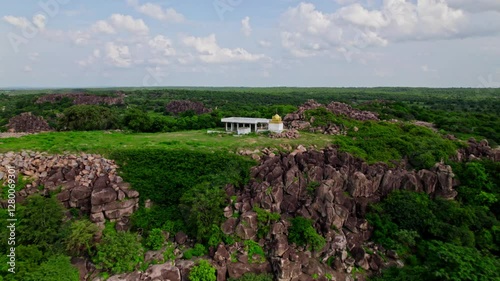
103,195
180,238
247,228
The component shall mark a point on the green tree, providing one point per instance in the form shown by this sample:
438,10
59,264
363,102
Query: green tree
119,252
203,205
41,222
56,268
81,237
137,120
88,118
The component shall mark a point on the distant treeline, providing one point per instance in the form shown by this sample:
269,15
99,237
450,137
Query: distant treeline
459,111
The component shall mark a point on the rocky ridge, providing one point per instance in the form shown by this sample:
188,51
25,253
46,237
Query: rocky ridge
26,122
177,107
298,120
88,182
333,189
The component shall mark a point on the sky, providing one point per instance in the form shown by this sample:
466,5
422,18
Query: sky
328,43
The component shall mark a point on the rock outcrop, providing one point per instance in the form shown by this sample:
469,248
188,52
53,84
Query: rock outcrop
88,182
333,189
298,120
177,107
476,150
287,134
82,98
28,123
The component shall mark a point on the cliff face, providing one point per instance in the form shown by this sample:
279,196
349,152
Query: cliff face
332,189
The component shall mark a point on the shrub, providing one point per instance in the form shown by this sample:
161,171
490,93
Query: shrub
119,252
198,250
255,251
155,239
203,272
41,221
303,233
56,268
81,237
264,219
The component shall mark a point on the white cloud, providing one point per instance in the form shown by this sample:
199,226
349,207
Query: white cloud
162,45
38,21
80,37
307,31
358,15
210,52
246,29
102,26
157,12
27,68
20,22
118,55
136,26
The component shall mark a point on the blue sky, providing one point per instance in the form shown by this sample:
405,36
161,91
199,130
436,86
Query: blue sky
330,43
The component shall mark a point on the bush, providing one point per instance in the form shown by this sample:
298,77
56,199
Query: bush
255,251
202,272
81,237
56,268
155,239
264,219
88,118
303,233
41,222
119,252
198,251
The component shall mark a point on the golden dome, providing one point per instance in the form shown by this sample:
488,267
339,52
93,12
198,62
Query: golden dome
276,119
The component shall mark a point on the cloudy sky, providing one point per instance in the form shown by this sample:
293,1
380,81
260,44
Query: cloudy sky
337,43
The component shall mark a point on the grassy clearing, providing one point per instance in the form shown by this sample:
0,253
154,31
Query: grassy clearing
106,142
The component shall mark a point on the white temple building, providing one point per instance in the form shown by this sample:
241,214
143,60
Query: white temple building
246,125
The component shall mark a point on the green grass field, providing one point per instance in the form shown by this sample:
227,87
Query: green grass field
105,142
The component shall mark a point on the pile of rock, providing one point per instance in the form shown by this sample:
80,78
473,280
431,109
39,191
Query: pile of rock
81,98
177,107
86,181
28,123
339,108
298,120
330,129
343,188
287,134
476,150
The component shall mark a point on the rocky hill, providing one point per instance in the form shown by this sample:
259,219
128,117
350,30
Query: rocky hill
177,107
28,123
